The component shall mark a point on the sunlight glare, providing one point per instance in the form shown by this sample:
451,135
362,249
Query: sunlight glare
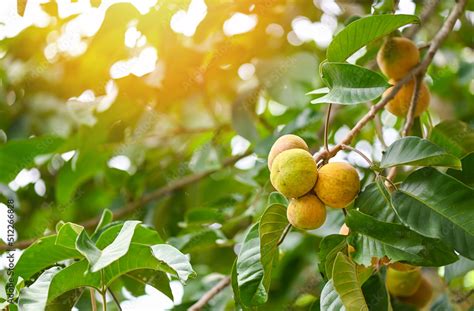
239,23
186,22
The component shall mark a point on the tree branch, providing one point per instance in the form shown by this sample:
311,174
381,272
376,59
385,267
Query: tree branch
413,103
134,206
418,70
425,15
201,303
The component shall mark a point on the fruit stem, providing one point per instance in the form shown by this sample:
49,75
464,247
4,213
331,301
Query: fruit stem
283,235
347,147
414,100
326,126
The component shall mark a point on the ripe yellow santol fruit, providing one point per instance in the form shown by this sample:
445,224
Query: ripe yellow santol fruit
400,104
307,212
403,280
422,296
397,57
345,231
338,184
294,173
285,142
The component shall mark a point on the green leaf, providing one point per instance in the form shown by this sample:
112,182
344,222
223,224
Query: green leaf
347,284
376,294
87,248
329,247
118,248
16,155
277,198
43,254
204,216
272,225
350,84
330,299
466,174
455,136
366,248
363,31
398,242
250,271
458,268
416,151
66,301
136,281
437,205
174,259
198,240
234,282
100,259
383,6
375,201
243,113
34,297
67,235
143,235
105,219
72,175
287,79
77,275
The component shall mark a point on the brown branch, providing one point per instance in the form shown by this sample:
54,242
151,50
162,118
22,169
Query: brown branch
425,15
93,301
379,131
418,70
201,303
134,206
413,103
391,174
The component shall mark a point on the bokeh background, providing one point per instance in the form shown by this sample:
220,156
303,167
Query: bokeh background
145,93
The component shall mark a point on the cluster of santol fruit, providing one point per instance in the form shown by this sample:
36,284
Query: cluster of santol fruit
396,58
294,174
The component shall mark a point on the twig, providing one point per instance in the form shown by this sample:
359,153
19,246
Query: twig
425,15
389,181
326,126
413,103
392,173
134,206
463,298
346,147
379,131
117,302
201,303
420,69
334,111
283,235
93,302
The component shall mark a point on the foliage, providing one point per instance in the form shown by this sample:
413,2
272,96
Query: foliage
124,178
